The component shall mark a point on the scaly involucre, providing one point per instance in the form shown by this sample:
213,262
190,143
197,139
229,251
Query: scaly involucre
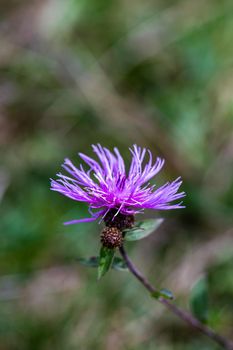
106,185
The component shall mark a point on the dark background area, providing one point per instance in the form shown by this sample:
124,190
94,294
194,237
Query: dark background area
78,72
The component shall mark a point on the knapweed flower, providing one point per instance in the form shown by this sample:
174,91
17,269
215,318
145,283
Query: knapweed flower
113,193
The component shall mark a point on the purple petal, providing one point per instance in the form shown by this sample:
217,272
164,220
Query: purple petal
106,185
78,221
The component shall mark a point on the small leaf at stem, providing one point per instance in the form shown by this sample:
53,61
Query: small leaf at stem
93,261
166,294
199,300
163,293
155,294
105,260
142,229
117,263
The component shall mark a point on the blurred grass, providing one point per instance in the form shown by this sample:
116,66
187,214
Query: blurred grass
73,73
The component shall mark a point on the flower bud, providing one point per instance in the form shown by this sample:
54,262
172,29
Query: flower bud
111,237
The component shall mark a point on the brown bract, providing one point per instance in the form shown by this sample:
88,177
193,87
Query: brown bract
111,237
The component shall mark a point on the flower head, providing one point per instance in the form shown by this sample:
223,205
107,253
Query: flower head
107,187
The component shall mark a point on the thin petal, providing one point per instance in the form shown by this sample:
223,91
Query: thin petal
72,222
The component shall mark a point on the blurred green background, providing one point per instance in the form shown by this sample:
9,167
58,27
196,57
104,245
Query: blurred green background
77,72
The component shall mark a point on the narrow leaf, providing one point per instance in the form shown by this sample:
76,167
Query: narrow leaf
199,300
166,294
105,260
142,229
93,261
155,294
117,263
163,293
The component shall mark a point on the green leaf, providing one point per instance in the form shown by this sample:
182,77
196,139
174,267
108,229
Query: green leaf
163,293
142,229
93,261
166,294
117,263
199,300
156,294
105,260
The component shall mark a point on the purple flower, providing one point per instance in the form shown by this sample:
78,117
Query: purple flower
106,185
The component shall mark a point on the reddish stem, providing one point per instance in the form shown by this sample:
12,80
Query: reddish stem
185,316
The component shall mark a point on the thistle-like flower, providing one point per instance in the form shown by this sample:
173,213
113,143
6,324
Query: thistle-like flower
114,194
